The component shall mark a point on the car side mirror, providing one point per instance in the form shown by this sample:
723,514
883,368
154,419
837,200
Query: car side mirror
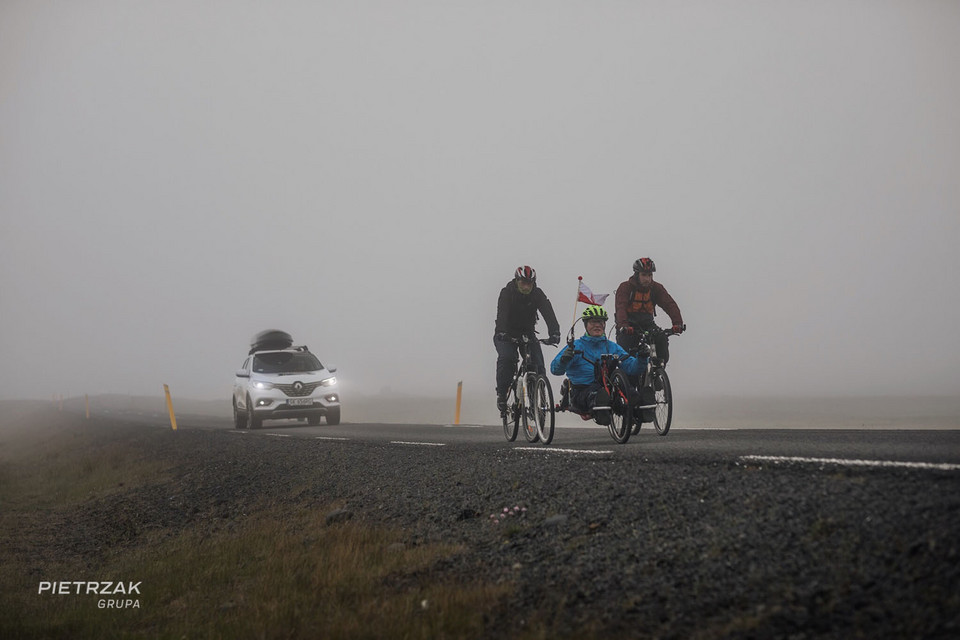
332,369
243,373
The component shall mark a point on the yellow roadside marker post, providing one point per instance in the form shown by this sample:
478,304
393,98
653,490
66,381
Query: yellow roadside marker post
456,419
173,418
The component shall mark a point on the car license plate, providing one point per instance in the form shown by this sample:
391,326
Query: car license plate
299,402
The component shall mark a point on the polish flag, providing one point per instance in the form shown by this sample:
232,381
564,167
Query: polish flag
585,295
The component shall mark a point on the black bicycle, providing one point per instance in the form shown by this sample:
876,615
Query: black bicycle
655,392
529,400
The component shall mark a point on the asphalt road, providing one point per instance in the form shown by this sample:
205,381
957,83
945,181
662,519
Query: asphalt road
854,447
703,533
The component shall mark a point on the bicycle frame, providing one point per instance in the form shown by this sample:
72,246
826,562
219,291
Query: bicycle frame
656,384
605,369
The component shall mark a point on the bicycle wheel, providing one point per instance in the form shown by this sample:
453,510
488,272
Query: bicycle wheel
511,417
663,414
541,399
529,408
621,413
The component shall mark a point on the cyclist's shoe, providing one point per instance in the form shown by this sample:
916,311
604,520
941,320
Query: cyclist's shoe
602,400
502,405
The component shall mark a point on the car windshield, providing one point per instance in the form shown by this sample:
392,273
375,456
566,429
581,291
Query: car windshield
286,362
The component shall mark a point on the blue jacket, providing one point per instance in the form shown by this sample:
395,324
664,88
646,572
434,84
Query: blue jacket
580,371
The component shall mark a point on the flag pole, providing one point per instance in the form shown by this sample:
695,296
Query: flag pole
576,301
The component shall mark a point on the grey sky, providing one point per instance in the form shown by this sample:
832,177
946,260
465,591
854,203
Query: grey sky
176,176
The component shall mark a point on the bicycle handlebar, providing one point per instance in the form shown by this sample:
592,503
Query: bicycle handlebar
658,330
526,340
619,359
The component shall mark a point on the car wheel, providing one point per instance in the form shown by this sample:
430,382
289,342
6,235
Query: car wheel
333,416
253,421
239,418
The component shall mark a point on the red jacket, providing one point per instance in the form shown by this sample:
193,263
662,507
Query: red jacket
632,300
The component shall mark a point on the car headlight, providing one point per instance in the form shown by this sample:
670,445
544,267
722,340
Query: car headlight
328,382
262,385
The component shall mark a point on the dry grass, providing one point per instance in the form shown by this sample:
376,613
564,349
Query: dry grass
277,573
272,577
61,464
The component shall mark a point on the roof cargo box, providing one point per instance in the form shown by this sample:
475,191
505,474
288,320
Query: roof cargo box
270,339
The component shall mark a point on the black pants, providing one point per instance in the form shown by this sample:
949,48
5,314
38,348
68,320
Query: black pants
644,322
508,355
583,397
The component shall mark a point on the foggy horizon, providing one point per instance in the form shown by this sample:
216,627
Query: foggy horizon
175,178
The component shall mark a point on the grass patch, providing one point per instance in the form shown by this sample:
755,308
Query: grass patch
69,466
275,575
272,573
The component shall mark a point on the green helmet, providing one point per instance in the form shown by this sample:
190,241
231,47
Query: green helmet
594,312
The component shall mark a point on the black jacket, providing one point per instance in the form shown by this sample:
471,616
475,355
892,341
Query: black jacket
517,313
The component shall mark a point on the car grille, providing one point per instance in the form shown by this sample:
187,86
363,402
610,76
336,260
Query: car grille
305,389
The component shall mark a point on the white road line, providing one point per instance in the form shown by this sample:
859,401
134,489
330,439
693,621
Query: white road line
278,435
329,438
239,433
421,444
940,466
465,426
555,450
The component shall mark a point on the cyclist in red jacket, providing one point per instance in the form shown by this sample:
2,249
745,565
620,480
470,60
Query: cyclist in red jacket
636,302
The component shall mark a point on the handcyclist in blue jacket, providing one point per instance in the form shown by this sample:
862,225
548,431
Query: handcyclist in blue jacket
577,361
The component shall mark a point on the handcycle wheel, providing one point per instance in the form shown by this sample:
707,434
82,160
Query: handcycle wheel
511,417
621,413
544,411
663,414
528,409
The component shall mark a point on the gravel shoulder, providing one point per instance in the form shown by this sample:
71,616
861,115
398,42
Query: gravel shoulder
607,547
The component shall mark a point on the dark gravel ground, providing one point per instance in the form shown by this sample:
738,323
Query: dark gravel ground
606,547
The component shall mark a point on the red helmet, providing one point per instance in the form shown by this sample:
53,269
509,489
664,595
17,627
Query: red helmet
644,265
526,273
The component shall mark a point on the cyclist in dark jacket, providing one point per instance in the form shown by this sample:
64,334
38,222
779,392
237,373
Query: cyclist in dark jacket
520,301
637,300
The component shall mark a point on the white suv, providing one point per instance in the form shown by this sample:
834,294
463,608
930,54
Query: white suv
284,383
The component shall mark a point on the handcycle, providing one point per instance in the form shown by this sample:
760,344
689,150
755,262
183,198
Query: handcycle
655,391
529,400
617,414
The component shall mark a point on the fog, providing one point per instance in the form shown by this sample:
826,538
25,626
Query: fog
177,176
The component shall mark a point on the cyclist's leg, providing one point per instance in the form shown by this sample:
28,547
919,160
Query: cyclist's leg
582,397
598,399
663,349
629,341
507,358
647,323
565,395
536,355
